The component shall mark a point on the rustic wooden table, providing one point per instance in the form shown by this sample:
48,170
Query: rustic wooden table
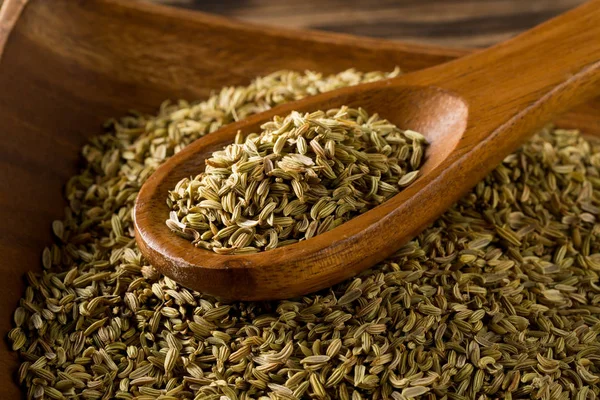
458,23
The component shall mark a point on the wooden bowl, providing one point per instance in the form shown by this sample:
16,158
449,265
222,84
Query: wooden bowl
66,66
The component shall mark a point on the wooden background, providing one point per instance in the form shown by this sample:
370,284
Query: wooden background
459,23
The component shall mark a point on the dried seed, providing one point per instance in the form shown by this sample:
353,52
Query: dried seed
465,310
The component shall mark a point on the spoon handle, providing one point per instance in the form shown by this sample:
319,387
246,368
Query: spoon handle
518,85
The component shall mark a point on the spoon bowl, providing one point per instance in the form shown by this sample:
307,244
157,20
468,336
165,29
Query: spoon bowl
405,106
474,111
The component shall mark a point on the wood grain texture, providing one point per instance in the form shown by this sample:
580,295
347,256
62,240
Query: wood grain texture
67,65
465,23
474,112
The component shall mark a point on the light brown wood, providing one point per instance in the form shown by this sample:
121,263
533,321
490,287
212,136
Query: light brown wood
67,65
474,111
8,17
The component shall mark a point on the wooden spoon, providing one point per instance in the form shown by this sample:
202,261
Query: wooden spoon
474,111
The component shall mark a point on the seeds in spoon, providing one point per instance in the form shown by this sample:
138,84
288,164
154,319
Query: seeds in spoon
301,176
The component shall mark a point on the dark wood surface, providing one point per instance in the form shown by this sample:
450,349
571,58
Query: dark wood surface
463,23
474,111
